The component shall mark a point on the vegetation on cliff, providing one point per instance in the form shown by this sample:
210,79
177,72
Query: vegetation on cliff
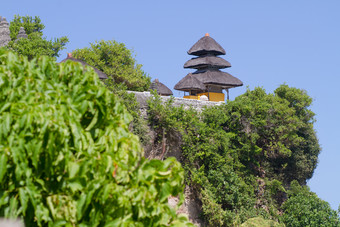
240,158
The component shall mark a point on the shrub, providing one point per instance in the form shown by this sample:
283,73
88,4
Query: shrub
67,157
305,208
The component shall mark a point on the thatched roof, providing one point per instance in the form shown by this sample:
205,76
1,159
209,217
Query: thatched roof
161,88
22,33
206,45
208,61
101,75
217,77
189,83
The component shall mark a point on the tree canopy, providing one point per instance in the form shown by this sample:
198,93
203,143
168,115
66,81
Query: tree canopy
116,61
305,208
241,157
35,44
67,157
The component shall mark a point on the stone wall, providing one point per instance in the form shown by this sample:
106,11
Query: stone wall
142,98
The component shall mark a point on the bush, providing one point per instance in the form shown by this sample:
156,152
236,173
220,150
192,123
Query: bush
67,157
240,157
305,208
116,61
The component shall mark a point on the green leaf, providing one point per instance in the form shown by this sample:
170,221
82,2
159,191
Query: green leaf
3,166
24,198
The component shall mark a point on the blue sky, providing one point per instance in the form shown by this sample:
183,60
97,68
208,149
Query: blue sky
268,43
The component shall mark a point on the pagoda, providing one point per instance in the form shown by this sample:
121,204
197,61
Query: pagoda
208,80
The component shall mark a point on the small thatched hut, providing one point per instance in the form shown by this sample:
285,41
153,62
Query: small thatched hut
208,80
101,75
160,88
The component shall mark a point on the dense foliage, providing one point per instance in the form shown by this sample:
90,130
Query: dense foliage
116,61
260,222
67,157
241,157
304,208
35,44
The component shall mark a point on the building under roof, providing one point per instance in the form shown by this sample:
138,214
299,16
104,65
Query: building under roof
101,75
208,79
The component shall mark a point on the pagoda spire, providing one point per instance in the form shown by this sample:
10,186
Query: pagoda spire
4,32
207,65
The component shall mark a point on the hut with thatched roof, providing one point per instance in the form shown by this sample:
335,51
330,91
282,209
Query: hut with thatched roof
208,80
160,88
101,75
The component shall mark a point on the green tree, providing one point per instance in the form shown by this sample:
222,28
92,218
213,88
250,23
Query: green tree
35,44
273,133
29,23
116,61
67,157
241,157
305,208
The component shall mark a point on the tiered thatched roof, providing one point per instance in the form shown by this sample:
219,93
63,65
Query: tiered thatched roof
101,75
207,64
22,33
160,88
206,45
4,32
216,77
189,83
204,62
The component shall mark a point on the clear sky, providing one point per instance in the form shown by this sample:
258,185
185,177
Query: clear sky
268,43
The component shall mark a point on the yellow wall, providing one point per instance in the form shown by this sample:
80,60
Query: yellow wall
191,97
213,96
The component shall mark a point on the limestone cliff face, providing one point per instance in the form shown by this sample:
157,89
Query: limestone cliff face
155,150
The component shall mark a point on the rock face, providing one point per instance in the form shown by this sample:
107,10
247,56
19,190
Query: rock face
4,32
191,206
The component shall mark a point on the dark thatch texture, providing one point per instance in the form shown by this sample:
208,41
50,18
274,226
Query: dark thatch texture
206,45
160,88
22,33
190,83
101,75
208,61
217,77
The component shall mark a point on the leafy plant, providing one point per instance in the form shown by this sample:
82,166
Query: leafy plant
241,157
67,157
116,61
35,44
304,208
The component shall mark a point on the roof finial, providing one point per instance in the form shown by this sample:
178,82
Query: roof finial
207,34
